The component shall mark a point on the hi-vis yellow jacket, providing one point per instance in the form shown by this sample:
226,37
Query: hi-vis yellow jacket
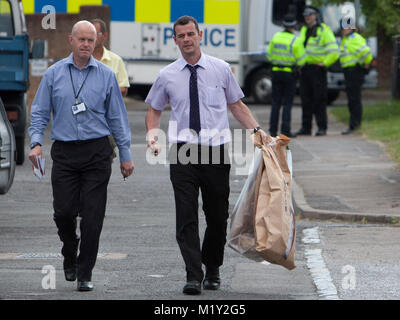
354,50
285,51
321,48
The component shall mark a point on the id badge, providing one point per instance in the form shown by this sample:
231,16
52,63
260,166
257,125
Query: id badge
80,107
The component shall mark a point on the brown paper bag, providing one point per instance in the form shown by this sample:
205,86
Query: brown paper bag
274,220
262,222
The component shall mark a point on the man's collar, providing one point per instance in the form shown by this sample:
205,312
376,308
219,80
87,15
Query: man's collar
202,62
91,63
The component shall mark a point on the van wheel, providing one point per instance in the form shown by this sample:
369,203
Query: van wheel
261,86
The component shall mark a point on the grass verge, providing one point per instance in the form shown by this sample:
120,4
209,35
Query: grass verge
381,122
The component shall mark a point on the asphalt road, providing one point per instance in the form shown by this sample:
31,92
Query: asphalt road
140,260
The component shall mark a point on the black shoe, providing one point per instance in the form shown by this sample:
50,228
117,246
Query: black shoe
212,280
85,286
289,134
273,134
70,274
320,133
70,264
347,131
303,132
192,287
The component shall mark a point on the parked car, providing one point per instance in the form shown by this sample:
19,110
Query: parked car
7,151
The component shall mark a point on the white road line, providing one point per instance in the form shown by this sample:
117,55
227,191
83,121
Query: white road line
318,269
40,255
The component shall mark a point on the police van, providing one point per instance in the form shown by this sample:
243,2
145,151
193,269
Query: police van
141,32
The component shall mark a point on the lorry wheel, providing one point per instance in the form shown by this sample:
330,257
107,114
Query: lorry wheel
20,146
261,86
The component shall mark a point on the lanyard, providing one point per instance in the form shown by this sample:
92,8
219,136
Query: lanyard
73,87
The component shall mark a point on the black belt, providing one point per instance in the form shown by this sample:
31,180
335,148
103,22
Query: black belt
81,141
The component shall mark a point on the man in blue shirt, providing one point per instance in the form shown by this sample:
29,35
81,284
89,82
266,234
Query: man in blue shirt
84,98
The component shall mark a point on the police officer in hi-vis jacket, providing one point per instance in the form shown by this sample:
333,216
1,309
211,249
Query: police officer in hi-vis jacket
285,52
355,60
322,51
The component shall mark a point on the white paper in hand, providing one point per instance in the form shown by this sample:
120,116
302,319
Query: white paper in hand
39,172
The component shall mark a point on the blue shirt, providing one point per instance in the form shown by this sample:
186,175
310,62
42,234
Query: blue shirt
105,110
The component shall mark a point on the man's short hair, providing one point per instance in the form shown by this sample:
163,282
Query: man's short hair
103,26
184,20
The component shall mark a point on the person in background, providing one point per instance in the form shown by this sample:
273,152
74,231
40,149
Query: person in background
108,57
286,53
355,60
322,51
111,60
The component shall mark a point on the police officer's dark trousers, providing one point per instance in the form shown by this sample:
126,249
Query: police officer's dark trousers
80,175
213,181
354,77
283,91
314,94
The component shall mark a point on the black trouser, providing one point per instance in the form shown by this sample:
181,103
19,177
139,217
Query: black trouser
283,91
314,93
213,181
354,77
79,178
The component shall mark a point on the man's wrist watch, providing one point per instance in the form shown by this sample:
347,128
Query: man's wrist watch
256,129
34,144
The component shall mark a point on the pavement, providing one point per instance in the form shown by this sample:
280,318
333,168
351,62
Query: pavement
344,177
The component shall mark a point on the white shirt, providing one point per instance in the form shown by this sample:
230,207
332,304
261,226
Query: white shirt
217,87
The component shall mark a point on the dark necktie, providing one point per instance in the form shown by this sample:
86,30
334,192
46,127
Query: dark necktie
194,117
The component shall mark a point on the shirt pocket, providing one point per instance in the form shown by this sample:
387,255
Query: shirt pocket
216,97
95,101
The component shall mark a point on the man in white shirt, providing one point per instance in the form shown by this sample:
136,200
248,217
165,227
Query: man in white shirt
199,89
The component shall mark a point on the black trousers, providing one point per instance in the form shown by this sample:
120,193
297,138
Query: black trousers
283,92
314,94
354,77
213,181
80,175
